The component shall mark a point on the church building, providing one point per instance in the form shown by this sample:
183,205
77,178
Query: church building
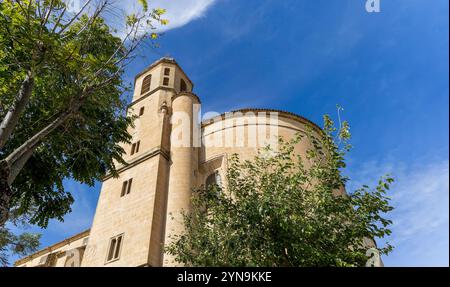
172,152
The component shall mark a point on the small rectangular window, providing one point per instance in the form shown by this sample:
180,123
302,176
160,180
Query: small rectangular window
126,187
141,111
115,245
166,81
166,72
183,86
118,245
130,181
112,247
137,146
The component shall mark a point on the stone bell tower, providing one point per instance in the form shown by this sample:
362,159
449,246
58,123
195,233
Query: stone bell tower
132,221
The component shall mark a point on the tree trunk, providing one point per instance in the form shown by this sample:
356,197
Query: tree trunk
20,156
5,193
13,164
12,116
19,164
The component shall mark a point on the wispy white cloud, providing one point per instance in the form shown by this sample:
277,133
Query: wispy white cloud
422,200
421,215
181,12
178,12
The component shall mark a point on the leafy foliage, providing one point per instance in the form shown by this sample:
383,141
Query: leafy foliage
86,146
76,63
284,209
12,244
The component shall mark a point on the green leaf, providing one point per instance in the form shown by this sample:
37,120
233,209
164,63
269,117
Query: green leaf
144,4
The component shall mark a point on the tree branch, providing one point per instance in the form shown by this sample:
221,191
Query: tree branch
58,21
12,117
32,142
47,15
67,25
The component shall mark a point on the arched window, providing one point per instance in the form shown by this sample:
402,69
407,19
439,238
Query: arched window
183,86
213,179
146,84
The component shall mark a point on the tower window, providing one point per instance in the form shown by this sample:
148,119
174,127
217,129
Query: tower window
126,187
115,245
166,72
135,147
183,86
213,179
166,81
146,84
141,111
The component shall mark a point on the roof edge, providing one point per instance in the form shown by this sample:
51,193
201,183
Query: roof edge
167,60
53,247
285,113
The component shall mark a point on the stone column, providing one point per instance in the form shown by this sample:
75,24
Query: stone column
184,162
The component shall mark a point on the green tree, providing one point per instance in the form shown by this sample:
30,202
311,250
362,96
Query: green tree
20,245
61,111
284,209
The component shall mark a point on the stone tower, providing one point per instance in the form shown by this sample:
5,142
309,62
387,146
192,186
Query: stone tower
129,226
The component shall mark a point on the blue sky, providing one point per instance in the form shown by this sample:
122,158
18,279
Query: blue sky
389,71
